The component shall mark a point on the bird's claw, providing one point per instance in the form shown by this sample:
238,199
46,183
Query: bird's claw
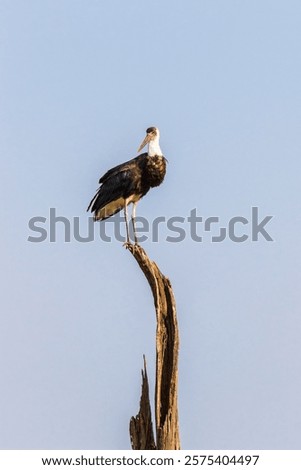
127,245
131,246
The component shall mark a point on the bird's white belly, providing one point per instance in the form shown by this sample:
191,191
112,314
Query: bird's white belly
133,198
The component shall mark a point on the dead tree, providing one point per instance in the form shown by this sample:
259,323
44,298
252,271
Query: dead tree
167,351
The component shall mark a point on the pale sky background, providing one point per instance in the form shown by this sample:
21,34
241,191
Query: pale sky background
80,83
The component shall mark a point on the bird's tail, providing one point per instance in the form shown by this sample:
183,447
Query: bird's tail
103,208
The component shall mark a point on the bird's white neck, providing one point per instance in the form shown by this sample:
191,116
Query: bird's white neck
154,147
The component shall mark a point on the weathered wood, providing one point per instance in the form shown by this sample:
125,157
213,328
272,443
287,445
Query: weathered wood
141,426
167,351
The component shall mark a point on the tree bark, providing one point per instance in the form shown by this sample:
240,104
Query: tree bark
167,351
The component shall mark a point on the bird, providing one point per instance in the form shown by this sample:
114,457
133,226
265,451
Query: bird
128,182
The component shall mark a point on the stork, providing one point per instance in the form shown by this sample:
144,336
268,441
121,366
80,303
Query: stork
129,182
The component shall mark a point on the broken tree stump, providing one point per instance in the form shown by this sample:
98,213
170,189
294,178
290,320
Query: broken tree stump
167,351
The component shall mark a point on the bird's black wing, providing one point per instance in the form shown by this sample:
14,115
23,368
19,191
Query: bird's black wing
130,164
117,184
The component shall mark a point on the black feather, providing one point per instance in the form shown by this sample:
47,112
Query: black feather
132,178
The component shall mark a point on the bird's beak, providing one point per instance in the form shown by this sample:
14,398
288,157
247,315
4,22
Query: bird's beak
145,141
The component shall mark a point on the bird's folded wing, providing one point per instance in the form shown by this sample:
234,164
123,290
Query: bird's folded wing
116,186
130,164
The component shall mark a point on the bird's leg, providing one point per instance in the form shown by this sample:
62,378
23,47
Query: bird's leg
128,242
133,222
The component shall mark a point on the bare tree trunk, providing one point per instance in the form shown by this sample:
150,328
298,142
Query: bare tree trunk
167,351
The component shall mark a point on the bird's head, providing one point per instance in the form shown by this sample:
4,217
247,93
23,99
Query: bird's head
151,138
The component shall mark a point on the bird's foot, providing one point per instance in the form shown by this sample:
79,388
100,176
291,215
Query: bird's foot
127,244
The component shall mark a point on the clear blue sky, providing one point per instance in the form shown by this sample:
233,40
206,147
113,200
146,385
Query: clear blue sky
80,83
